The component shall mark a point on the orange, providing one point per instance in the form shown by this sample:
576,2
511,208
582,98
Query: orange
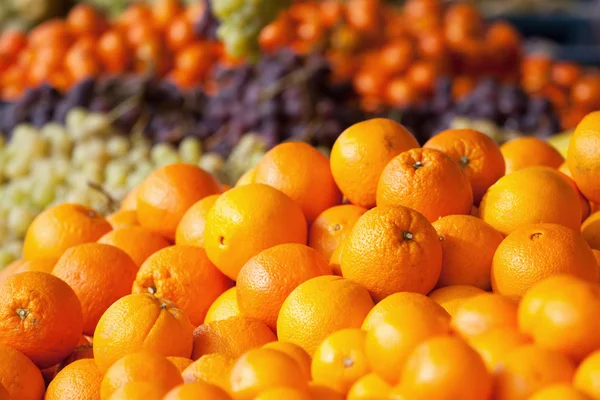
129,203
140,390
559,391
294,351
528,196
283,392
529,151
320,392
84,350
232,337
483,313
336,258
185,276
232,236
139,243
523,259
165,196
60,227
190,230
79,380
4,395
268,278
586,376
427,181
141,322
452,297
494,344
332,226
260,369
99,274
140,367
340,360
40,316
392,249
398,303
123,218
197,390
559,313
212,368
301,172
468,246
38,264
477,154
360,154
181,363
586,208
319,307
369,386
590,229
19,375
225,306
445,368
529,368
582,158
247,178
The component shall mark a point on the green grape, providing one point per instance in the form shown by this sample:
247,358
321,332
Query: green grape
117,146
19,219
190,150
164,154
116,173
211,162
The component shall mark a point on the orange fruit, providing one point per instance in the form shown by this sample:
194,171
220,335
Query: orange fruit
319,307
4,395
477,154
231,236
181,363
212,368
99,274
247,178
185,276
586,208
336,258
427,181
586,376
590,229
529,196
438,367
122,219
140,390
483,313
197,390
19,375
523,259
392,249
141,322
139,243
260,369
493,344
283,392
79,380
320,392
129,203
140,367
38,264
165,196
450,298
301,172
60,227
529,151
190,230
83,351
40,315
340,360
232,337
582,159
332,226
559,391
369,386
225,306
468,247
296,352
529,368
561,304
360,154
269,277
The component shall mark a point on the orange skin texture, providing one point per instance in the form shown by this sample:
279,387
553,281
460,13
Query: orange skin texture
586,376
360,154
16,267
296,352
247,178
140,390
301,172
51,322
427,181
494,344
19,375
185,276
526,369
165,196
559,391
180,362
583,159
212,368
79,380
141,322
468,247
369,386
529,196
597,255
197,390
483,313
232,237
99,274
232,337
190,230
81,352
261,369
319,307
60,227
477,154
225,306
331,227
559,313
139,243
129,203
320,392
140,367
586,207
336,258
283,392
590,229
392,249
450,298
526,152
436,370
123,218
330,362
266,280
535,252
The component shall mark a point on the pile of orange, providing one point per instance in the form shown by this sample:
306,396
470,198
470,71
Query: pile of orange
456,270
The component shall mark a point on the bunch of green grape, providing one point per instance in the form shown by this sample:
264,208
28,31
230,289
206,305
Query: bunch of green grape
242,22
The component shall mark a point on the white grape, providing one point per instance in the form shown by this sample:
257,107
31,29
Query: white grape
59,140
190,150
96,124
19,220
117,146
116,173
17,167
211,162
74,120
139,154
94,171
164,154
